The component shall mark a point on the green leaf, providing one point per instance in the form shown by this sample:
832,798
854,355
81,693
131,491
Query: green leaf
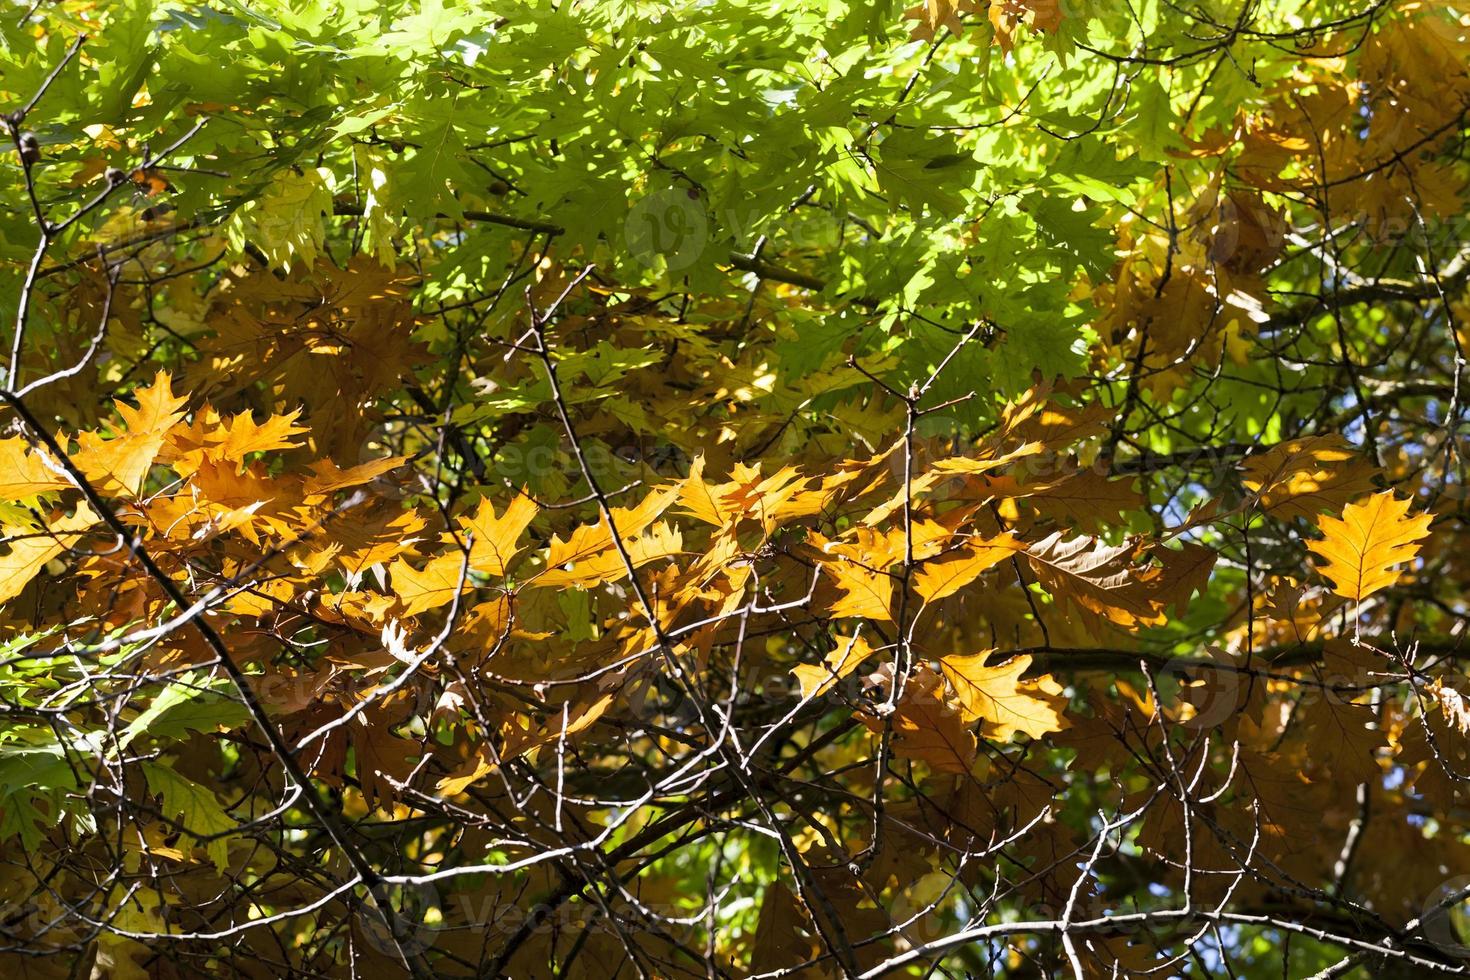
195,808
186,705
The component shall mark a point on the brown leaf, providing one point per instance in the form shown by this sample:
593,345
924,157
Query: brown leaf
1303,477
1101,579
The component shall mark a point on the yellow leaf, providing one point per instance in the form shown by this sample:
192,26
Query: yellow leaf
329,477
816,680
589,539
976,465
494,538
865,593
522,733
1371,537
699,499
773,500
938,579
243,436
435,586
492,546
661,541
118,465
1000,698
25,472
30,549
477,767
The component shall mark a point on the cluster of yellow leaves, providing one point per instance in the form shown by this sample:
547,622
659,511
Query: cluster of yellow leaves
1368,140
249,496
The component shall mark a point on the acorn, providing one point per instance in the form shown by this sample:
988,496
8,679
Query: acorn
30,148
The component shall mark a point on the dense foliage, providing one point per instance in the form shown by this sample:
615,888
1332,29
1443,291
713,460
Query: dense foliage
728,488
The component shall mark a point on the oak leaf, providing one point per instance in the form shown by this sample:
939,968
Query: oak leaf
1186,570
589,539
701,500
659,541
782,932
1086,500
925,726
818,679
864,592
1363,546
946,576
25,472
30,549
1099,578
242,435
936,15
1001,699
118,465
328,477
493,537
1007,15
436,585
1302,477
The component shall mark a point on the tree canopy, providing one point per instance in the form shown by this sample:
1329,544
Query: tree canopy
541,488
